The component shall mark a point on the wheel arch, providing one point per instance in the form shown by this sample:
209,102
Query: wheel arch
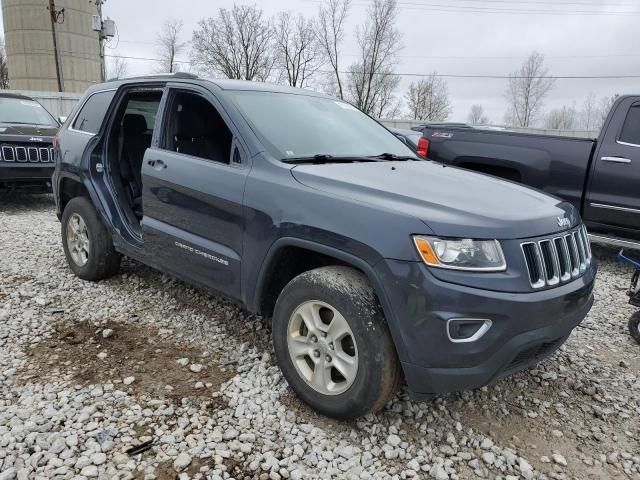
263,298
70,187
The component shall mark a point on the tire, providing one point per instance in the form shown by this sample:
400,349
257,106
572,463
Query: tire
328,300
96,259
634,326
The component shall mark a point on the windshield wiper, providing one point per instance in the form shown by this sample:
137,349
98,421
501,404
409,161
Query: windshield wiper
326,158
393,156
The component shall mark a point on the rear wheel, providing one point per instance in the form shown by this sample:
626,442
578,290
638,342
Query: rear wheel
87,243
634,326
332,343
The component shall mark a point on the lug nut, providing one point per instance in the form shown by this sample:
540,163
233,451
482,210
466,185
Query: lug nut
331,347
314,339
324,334
328,358
316,353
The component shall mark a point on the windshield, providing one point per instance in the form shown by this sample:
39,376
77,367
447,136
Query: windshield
20,110
294,125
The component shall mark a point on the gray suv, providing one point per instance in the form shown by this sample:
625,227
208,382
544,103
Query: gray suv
374,264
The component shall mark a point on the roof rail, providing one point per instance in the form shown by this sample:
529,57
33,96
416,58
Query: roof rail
192,76
160,75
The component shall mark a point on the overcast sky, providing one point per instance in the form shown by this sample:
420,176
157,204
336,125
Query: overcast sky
466,37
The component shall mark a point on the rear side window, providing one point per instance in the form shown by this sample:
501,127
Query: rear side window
92,113
631,128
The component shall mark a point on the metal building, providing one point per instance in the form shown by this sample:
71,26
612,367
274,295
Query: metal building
29,45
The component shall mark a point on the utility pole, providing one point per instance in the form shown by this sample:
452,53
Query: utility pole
106,29
103,68
55,16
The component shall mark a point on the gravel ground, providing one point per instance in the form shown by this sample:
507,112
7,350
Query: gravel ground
89,371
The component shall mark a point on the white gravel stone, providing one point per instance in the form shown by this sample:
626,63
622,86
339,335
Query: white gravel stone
53,427
182,461
393,440
128,380
196,367
559,459
107,332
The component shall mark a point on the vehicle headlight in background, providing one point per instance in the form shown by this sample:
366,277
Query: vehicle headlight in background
461,254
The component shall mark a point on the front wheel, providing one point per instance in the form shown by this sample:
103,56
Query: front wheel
634,326
333,344
87,243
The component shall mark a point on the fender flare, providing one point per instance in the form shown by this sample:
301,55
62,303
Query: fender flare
93,196
341,255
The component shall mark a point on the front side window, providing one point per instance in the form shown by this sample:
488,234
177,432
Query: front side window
24,111
631,128
93,111
298,125
194,127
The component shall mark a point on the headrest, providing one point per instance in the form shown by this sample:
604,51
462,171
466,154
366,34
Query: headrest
134,124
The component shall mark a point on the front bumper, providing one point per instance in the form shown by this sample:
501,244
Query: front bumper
526,327
17,175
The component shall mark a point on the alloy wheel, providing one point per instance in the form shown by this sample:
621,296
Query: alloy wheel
322,347
78,240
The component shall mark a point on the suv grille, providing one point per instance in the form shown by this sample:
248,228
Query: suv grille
557,260
27,152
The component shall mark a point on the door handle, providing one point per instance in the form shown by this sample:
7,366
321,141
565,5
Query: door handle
616,159
157,164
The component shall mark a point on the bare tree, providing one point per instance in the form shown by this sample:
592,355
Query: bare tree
117,67
387,104
526,91
378,42
4,71
565,118
331,22
606,103
589,112
169,46
476,115
428,99
298,55
236,44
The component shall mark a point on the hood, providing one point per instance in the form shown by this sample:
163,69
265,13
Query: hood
451,201
30,130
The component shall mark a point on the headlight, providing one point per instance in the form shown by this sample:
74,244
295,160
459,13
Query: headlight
461,254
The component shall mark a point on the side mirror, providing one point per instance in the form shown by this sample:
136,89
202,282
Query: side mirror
62,119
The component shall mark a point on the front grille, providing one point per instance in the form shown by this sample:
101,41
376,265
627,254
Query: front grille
21,154
557,260
34,153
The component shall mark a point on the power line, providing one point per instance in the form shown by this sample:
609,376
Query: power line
444,75
453,75
438,7
392,74
541,3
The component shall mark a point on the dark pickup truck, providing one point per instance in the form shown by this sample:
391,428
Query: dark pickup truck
600,177
26,144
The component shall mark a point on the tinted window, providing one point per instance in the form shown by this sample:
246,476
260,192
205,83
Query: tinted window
195,128
24,110
631,128
90,117
295,125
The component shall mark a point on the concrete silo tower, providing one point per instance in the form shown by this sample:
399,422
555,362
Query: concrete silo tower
29,44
